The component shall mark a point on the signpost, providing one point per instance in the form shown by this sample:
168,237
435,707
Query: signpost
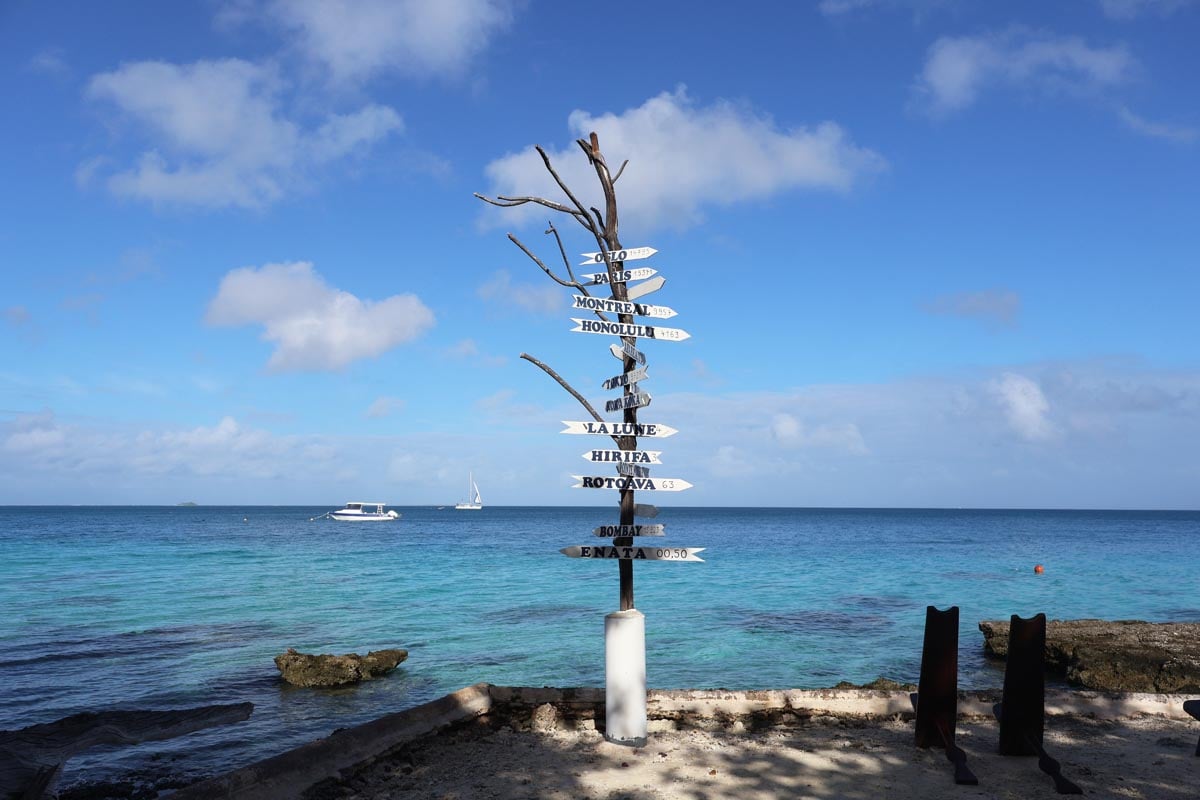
636,400
633,470
625,378
645,510
623,483
650,430
620,276
634,553
613,531
625,349
620,254
643,289
621,307
624,329
624,456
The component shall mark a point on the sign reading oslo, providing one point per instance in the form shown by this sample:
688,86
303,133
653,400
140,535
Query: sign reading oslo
626,254
633,553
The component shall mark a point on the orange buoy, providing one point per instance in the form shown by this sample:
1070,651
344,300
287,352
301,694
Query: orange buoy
1038,569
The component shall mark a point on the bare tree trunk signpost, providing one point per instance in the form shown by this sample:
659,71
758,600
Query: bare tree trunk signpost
624,630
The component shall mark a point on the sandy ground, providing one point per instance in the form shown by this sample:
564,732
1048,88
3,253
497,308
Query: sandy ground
824,757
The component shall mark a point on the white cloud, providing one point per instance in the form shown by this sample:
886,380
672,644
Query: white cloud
384,407
545,298
356,40
50,61
313,325
791,432
957,69
994,306
219,134
729,462
1128,9
1025,406
684,158
1157,130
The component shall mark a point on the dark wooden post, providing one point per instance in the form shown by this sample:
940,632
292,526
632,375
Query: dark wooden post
1023,706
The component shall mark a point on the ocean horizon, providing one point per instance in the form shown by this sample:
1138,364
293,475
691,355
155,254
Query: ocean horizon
171,606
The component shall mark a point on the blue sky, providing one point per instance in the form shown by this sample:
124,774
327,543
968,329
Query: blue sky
929,253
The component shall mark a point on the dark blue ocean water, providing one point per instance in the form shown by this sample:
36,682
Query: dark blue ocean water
160,607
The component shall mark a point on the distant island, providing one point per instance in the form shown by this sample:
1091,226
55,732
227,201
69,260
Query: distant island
189,503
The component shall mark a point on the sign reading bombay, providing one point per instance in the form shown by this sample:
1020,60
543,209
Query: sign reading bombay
617,531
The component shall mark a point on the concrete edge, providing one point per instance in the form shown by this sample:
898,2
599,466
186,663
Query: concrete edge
291,773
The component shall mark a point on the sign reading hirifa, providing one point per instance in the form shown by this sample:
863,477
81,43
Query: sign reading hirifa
633,553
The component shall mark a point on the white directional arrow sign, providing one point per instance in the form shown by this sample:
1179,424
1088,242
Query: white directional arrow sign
622,329
621,307
643,289
634,553
645,510
638,484
623,456
618,531
636,400
633,376
601,278
650,429
628,254
623,349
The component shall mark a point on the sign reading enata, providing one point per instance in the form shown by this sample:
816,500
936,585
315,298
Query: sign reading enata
634,553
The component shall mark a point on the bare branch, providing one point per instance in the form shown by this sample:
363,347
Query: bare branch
509,202
586,221
571,284
599,218
583,401
622,169
563,251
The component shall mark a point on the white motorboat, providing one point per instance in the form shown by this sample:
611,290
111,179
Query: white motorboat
363,512
474,501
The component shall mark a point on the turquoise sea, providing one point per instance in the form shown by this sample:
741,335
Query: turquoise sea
164,607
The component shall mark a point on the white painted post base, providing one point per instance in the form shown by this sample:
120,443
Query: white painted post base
625,678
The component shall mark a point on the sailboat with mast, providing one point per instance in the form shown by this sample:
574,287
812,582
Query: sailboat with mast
474,501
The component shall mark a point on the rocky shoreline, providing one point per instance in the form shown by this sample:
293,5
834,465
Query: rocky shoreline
1114,656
